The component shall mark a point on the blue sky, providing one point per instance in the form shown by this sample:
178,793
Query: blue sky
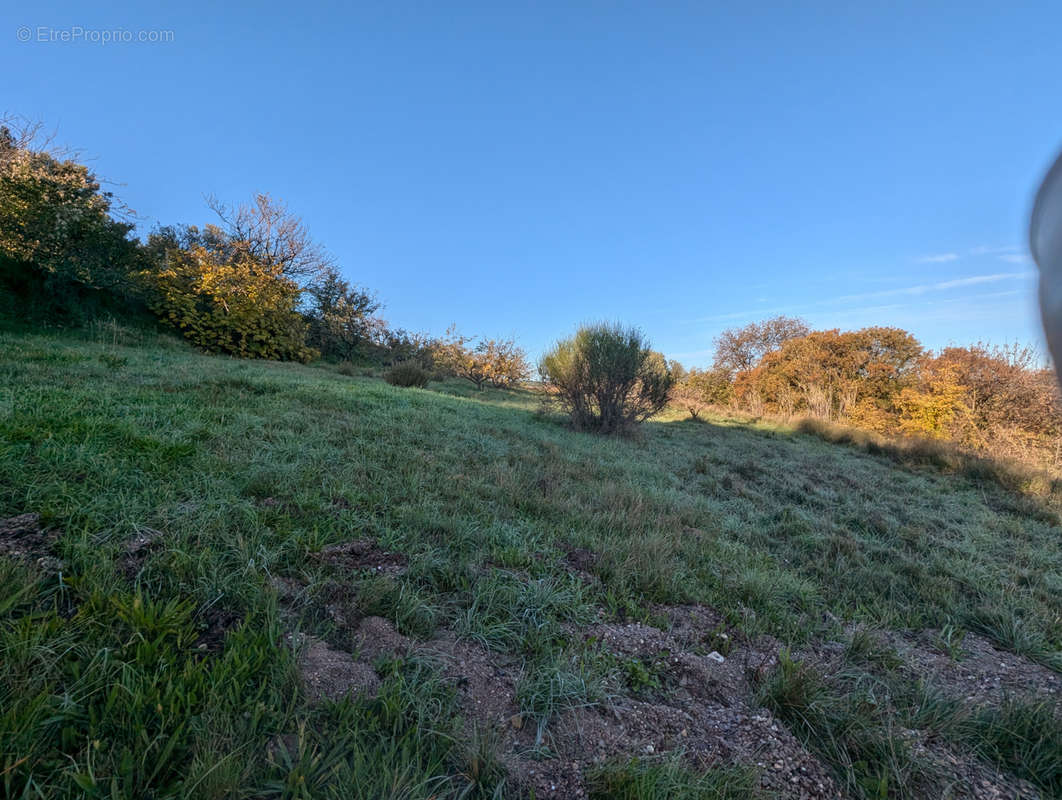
521,167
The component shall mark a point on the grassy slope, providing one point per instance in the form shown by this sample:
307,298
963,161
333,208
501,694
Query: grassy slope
784,533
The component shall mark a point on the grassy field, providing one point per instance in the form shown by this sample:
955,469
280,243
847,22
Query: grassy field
196,504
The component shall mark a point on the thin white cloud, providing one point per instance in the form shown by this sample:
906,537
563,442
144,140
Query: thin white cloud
972,280
907,291
984,250
1014,258
939,258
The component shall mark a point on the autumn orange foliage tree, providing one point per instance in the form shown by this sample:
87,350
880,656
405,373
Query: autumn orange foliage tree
833,374
496,361
999,400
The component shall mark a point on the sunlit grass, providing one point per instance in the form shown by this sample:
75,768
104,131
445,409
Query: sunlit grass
248,468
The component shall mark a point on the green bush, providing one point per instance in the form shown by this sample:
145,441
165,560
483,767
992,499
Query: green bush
406,375
607,378
63,253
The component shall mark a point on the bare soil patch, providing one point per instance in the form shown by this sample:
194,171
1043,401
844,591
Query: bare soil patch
376,638
580,559
706,708
214,625
330,674
703,709
23,539
363,554
580,562
982,673
708,717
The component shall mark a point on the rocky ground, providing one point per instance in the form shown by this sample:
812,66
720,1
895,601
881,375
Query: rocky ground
701,704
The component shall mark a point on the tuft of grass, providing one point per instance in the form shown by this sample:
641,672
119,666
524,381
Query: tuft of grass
668,779
565,682
403,743
413,611
1019,735
509,613
949,641
865,648
1008,629
847,722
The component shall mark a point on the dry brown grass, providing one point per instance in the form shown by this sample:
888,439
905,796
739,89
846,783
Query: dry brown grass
944,455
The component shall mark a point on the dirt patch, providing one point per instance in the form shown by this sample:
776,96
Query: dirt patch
485,681
966,777
376,638
581,562
580,559
288,589
135,552
363,554
982,673
705,713
705,707
330,674
694,625
700,702
23,539
214,625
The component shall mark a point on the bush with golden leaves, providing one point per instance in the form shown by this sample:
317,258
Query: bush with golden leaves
236,306
496,361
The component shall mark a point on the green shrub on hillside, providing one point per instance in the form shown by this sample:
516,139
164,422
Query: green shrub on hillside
607,377
60,246
407,375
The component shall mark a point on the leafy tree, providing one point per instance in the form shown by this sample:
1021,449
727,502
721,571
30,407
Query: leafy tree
58,238
740,349
237,286
1006,386
830,374
342,321
498,361
398,346
932,410
229,304
607,378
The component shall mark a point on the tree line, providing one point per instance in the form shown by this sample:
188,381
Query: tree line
252,282
997,399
